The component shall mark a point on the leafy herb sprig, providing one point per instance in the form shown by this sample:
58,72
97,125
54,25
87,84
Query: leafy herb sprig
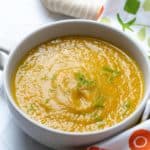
83,82
113,73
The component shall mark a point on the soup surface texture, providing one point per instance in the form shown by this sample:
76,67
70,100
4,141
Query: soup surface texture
78,84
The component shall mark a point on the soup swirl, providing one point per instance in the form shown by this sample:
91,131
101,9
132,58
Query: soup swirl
78,84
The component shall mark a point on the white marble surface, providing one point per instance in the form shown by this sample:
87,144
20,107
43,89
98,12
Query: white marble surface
17,19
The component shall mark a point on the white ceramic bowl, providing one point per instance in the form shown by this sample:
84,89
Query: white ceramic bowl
56,138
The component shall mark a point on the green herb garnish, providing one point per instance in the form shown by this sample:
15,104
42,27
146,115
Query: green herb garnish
99,102
113,76
127,104
111,72
97,118
31,108
54,77
108,69
47,100
83,82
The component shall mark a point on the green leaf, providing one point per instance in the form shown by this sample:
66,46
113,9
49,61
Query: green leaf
126,25
146,5
132,6
148,41
131,22
120,21
142,34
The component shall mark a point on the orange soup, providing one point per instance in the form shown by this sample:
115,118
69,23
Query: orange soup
78,84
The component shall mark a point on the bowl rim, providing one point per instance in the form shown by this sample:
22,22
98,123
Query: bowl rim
57,131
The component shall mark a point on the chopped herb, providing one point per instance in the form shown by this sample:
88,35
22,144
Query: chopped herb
126,25
97,118
113,73
31,108
83,82
99,102
43,120
54,77
128,104
47,100
108,69
44,77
